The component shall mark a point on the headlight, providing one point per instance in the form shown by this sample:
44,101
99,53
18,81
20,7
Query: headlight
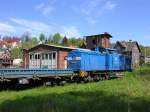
77,58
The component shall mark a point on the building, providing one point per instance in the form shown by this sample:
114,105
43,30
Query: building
46,56
130,48
146,53
100,40
147,59
9,42
5,58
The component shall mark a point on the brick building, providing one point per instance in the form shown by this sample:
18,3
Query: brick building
100,40
46,56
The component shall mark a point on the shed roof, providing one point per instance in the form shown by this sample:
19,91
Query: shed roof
105,34
52,46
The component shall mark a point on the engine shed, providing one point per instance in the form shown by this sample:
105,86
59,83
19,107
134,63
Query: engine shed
46,56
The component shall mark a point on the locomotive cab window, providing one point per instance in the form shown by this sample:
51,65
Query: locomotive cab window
102,50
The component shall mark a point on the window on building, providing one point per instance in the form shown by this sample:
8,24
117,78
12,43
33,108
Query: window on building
94,41
31,56
46,56
36,56
54,55
43,56
50,56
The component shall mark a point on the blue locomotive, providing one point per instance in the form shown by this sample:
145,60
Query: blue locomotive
100,60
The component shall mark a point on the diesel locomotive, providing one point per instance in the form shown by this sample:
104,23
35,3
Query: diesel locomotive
101,61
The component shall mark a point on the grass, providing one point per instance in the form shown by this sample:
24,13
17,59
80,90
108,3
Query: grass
128,94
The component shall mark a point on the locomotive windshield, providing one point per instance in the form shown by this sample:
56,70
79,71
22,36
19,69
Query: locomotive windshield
112,51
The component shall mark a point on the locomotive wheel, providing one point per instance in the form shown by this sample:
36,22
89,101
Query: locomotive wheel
96,78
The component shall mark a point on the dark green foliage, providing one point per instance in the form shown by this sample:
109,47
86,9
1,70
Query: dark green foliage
17,51
75,41
42,37
26,37
56,38
83,45
145,50
50,39
65,41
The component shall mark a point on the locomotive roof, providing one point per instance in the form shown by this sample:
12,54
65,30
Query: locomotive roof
96,51
85,51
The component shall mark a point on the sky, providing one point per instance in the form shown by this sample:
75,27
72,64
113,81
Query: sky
123,19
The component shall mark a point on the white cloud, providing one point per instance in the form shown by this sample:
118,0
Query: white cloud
39,6
109,5
70,31
46,8
31,26
93,9
17,26
6,28
90,6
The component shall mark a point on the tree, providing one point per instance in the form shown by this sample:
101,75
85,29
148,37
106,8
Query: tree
34,41
42,37
75,41
80,42
16,52
50,39
83,45
56,38
72,41
25,37
65,41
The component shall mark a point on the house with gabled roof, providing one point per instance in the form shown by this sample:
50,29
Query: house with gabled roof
46,56
130,48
